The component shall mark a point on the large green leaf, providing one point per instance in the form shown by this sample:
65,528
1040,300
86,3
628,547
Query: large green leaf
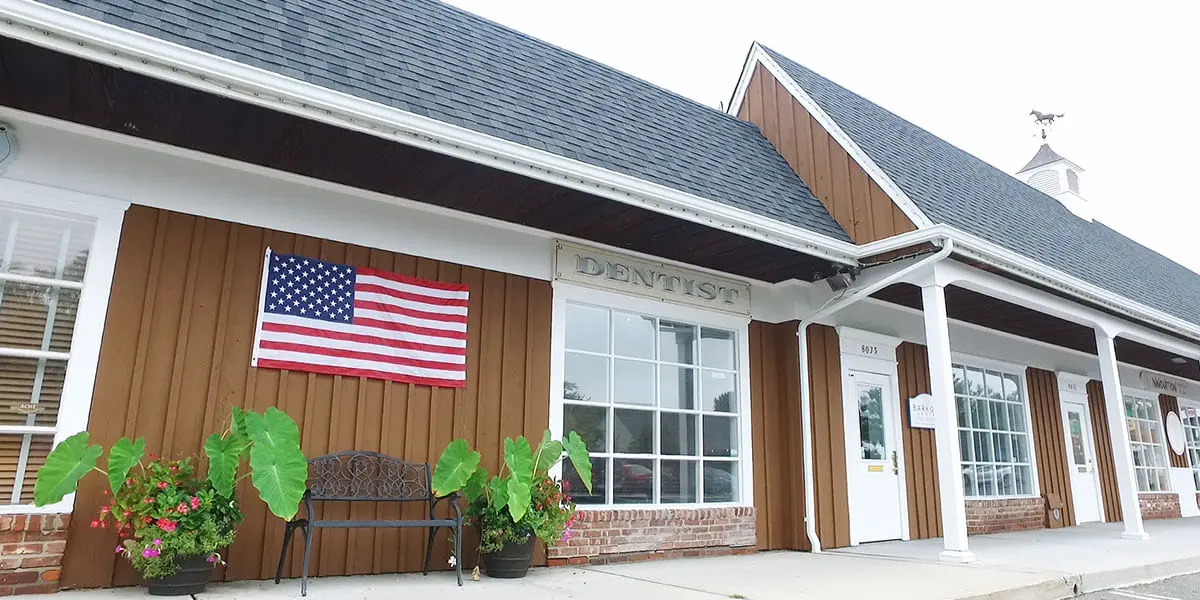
497,490
547,455
277,466
121,458
578,453
476,484
237,424
455,468
519,458
224,455
64,467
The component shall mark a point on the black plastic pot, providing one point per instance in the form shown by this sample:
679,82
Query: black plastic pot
512,561
191,578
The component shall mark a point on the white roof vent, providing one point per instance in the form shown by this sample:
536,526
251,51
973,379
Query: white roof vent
1057,177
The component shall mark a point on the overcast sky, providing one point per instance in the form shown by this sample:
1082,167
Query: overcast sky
1128,80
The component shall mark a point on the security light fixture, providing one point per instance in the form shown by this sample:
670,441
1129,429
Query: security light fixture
840,281
1179,360
8,145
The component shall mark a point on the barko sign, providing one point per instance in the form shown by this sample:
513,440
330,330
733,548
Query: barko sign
626,274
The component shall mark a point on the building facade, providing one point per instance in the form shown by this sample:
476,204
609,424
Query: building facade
761,322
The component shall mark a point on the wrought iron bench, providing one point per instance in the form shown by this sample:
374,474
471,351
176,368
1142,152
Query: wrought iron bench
369,477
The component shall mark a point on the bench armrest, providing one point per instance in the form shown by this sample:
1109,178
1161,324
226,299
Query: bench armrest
453,498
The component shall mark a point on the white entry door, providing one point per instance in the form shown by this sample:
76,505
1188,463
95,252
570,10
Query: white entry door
872,459
1081,458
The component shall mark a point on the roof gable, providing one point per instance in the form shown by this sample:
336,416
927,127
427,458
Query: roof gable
951,186
438,61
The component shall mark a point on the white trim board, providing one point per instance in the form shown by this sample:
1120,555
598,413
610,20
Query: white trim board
76,35
759,56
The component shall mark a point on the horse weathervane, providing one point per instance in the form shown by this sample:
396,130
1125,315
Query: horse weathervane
1044,120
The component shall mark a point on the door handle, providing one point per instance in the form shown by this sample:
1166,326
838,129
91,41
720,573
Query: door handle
895,464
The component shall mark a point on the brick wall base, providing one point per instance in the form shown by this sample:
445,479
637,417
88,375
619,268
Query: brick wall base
1159,506
31,552
995,516
607,536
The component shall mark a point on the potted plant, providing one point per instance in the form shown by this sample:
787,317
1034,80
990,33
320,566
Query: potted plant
518,505
172,524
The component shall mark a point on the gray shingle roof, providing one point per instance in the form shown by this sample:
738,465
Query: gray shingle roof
432,59
951,186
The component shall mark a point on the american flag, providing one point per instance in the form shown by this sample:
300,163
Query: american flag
324,317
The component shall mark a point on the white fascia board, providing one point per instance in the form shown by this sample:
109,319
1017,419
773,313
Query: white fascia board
88,38
897,195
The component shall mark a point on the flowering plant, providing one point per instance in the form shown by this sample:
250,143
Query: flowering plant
161,509
163,512
520,501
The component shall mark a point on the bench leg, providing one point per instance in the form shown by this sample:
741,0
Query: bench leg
458,551
307,553
429,549
287,540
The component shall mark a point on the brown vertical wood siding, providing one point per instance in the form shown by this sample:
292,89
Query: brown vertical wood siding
1049,441
829,438
1170,404
920,449
854,200
777,444
176,358
1104,452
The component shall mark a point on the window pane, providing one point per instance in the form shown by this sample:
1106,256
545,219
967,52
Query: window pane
1006,480
1143,484
633,382
994,387
1012,388
717,349
1016,417
677,387
37,244
980,415
587,328
678,434
960,380
20,397
1020,449
986,480
679,481
1164,481
983,447
25,309
574,485
1024,480
633,335
975,385
1002,447
965,447
968,474
999,416
720,436
10,452
719,390
585,378
1134,432
720,481
633,431
633,481
677,342
590,422
870,422
964,412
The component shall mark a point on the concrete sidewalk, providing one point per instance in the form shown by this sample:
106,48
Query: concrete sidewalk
1035,565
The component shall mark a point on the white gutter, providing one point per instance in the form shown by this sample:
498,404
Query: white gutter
76,35
810,497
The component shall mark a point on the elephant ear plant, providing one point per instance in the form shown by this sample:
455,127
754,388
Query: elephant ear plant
162,510
522,500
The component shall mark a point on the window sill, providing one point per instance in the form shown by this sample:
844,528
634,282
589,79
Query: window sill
1026,497
688,506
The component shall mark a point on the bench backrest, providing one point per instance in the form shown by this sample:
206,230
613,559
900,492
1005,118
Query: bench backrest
367,476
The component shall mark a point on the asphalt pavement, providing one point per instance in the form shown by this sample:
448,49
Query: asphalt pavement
1183,587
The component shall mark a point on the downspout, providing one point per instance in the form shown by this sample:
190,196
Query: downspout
810,499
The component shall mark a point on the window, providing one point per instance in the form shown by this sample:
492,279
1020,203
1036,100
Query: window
1146,441
657,402
1191,430
42,261
993,433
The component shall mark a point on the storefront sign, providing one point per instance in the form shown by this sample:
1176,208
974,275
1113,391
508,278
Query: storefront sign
626,274
1165,384
1175,434
921,412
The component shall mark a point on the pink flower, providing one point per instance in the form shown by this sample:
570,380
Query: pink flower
182,508
157,542
162,485
104,510
149,553
118,549
148,500
195,502
95,523
212,559
167,526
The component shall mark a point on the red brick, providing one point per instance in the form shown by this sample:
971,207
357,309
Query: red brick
56,547
46,587
38,536
10,549
15,577
50,560
51,575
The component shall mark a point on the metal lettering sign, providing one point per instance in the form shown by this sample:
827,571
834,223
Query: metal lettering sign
1164,384
619,273
921,412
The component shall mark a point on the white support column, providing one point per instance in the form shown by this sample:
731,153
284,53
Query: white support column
949,458
1114,405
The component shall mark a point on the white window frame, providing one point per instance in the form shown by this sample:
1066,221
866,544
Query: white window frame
991,364
740,325
1193,447
1152,398
79,380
